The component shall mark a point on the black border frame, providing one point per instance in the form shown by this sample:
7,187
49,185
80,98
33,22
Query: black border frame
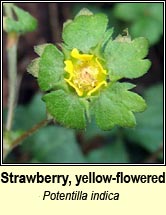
80,164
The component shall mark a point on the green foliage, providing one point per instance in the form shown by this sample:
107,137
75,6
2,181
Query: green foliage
93,130
66,108
27,116
110,106
33,67
146,19
39,49
114,152
51,144
54,144
122,57
10,136
125,58
149,131
111,110
85,31
24,21
51,68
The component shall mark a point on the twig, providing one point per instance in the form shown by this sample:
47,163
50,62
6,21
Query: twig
28,133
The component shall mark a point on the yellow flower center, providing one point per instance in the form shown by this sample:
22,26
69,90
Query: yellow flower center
86,74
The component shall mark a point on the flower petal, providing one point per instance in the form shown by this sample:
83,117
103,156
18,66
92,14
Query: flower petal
100,66
69,66
97,87
79,92
84,57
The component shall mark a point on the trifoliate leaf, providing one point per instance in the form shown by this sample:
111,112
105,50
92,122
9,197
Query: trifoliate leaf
115,106
125,58
85,32
70,81
51,68
67,109
24,23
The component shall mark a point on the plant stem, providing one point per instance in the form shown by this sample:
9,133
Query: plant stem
12,77
28,133
8,9
12,41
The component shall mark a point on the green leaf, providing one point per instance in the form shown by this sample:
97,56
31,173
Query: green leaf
85,12
51,144
156,11
107,36
147,27
51,68
115,106
55,145
129,11
33,67
114,152
132,12
149,131
85,32
124,59
29,115
146,19
67,109
83,7
39,49
24,23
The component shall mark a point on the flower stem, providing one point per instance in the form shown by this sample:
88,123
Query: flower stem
12,77
12,41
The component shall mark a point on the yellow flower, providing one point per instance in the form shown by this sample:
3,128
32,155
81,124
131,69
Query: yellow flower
85,73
